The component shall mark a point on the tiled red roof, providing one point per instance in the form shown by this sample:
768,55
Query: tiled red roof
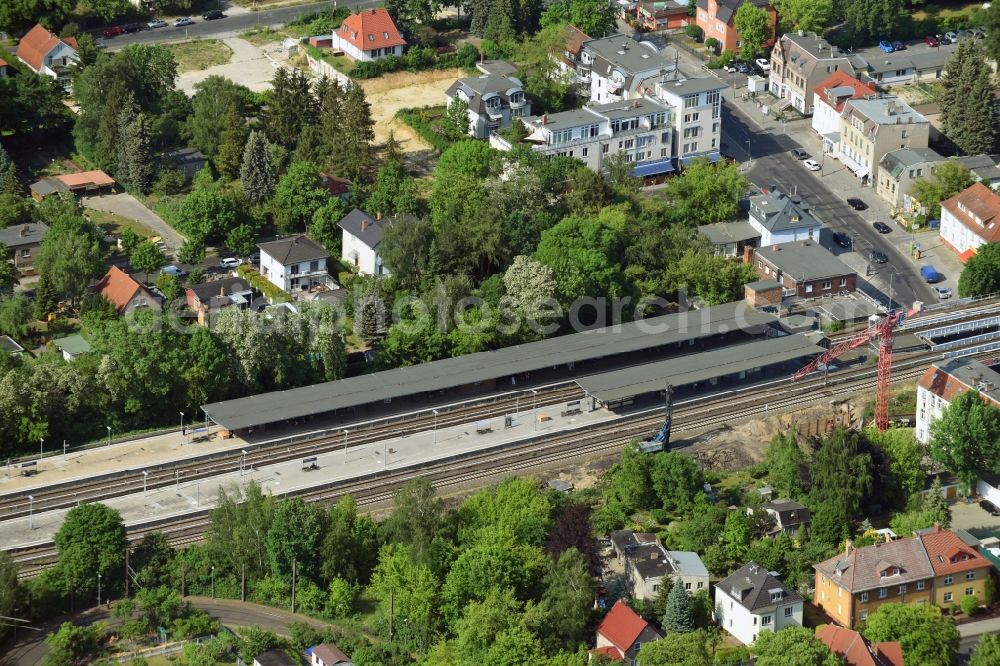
118,287
977,207
371,29
37,44
608,651
840,79
3,63
949,554
622,626
854,650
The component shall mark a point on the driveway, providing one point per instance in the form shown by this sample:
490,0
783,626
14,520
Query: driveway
128,206
250,66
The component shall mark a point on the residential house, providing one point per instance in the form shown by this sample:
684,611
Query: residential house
362,235
188,161
371,34
960,570
778,218
274,657
502,67
296,263
72,346
46,54
657,15
752,599
853,649
80,184
786,516
645,562
622,633
870,128
697,114
856,582
908,66
945,379
207,298
984,168
126,293
493,101
805,269
571,61
22,242
898,170
730,239
328,654
800,62
618,67
828,100
8,345
336,186
969,219
717,20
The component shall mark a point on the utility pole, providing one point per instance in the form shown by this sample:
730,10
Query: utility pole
243,582
127,571
213,581
392,612
293,586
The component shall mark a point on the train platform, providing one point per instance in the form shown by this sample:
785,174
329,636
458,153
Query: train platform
281,478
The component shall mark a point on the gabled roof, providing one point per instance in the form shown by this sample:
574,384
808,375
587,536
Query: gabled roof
275,657
778,212
118,287
949,377
863,568
622,627
477,89
855,650
727,8
804,260
294,249
37,44
575,39
73,344
223,287
949,554
330,654
23,234
839,87
790,513
371,29
363,226
8,343
752,586
977,207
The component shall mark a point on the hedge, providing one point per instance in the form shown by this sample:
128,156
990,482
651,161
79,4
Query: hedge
417,58
426,123
262,284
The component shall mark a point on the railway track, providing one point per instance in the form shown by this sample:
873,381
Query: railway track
540,451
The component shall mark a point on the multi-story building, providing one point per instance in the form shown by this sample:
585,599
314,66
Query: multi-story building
960,570
46,54
618,66
799,64
943,381
805,269
829,98
657,15
23,242
752,599
493,101
969,219
898,170
697,117
294,264
371,34
571,61
646,563
779,218
870,128
717,19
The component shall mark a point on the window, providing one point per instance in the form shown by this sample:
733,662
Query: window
827,285
843,282
882,593
604,148
585,151
948,597
809,288
970,575
385,35
313,266
948,580
788,611
862,615
864,596
969,591
371,38
690,100
701,584
687,586
663,152
765,621
902,590
656,588
776,596
25,253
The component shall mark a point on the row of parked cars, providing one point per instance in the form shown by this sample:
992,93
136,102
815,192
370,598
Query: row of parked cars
115,30
891,46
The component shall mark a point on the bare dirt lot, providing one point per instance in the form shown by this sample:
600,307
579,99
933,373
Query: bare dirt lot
392,92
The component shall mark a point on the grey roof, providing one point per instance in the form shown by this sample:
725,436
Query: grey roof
804,260
918,60
778,212
762,285
967,538
691,86
692,368
363,226
73,344
629,108
566,119
972,373
496,67
883,111
650,561
896,160
983,167
48,185
478,89
751,585
484,366
624,53
223,287
294,249
721,233
275,658
790,513
330,654
8,343
31,233
687,563
813,45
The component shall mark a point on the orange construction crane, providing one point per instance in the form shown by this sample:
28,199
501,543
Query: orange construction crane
882,330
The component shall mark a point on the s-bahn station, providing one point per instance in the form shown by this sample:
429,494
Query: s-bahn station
614,367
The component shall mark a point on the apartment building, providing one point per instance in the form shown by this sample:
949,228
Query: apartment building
829,98
800,62
697,117
960,570
617,66
717,20
898,170
870,128
969,219
493,101
944,380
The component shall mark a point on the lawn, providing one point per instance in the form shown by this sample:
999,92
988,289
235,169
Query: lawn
199,54
939,12
262,36
115,224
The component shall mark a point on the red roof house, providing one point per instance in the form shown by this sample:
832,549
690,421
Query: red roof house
969,219
45,53
125,292
369,35
855,650
622,632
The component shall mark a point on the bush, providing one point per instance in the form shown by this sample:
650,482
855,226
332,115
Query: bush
417,58
693,31
426,123
170,181
264,286
712,43
970,604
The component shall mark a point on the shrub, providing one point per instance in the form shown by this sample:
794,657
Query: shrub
712,43
273,294
970,604
426,123
693,31
170,181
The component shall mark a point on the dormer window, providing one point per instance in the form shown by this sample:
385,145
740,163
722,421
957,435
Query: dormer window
385,35
776,596
371,38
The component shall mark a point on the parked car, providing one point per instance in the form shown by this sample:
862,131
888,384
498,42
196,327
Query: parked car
931,40
799,154
763,63
812,165
730,67
976,33
254,258
989,507
856,203
174,270
132,27
962,34
885,45
742,67
213,14
112,31
878,256
841,239
183,21
943,292
951,36
230,262
898,46
882,227
942,40
156,23
930,274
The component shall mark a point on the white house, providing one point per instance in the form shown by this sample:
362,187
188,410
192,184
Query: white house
368,35
779,218
969,219
293,264
752,600
72,347
493,101
646,562
45,53
361,237
943,381
829,98
697,117
328,654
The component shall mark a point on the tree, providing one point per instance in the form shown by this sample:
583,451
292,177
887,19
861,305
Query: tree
981,273
370,319
14,210
987,651
257,173
906,468
841,473
785,464
207,214
350,132
583,254
566,602
8,274
966,439
73,644
416,517
241,239
32,103
630,481
676,649
413,589
678,618
867,19
737,535
46,301
135,155
294,536
936,504
192,251
928,637
298,196
753,24
90,541
572,530
805,15
968,117
10,590
530,286
217,106
792,646
947,179
704,193
70,256
456,120
232,144
291,106
394,192
676,480
593,17
324,227
15,316
148,258
405,249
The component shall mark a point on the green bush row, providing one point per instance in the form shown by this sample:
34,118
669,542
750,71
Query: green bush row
417,58
426,123
261,284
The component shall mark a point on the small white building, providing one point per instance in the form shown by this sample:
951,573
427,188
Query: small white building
969,219
362,235
946,379
493,101
46,54
328,654
752,600
296,263
780,218
370,34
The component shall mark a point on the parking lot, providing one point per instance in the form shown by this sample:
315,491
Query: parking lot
970,517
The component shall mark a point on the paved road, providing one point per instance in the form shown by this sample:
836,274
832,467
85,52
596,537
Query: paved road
129,207
32,650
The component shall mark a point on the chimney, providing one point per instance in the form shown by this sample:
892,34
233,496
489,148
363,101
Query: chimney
936,527
373,12
23,231
848,547
545,119
378,215
653,555
364,224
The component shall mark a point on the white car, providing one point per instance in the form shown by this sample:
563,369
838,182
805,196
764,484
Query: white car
764,64
943,292
176,271
230,262
812,165
183,21
729,68
156,23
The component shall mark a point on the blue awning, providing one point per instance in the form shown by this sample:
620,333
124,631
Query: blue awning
712,157
653,168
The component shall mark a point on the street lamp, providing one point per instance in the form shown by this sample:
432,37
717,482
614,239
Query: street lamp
749,156
145,475
243,460
41,446
109,434
183,432
98,589
31,511
534,407
213,581
345,445
435,428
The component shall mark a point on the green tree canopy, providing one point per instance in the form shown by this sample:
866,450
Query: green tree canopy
966,439
981,273
841,472
792,646
257,172
298,196
593,17
753,24
806,15
678,618
90,541
869,20
968,112
676,649
946,180
584,255
70,256
987,651
928,637
148,258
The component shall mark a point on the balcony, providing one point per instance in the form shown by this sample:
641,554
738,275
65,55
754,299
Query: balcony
494,112
517,102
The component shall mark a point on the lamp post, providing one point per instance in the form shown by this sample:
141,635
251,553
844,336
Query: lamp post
213,581
183,431
31,511
98,589
145,476
345,445
749,156
109,434
534,407
435,428
243,460
41,447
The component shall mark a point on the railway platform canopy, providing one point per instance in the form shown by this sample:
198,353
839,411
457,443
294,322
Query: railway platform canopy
744,360
723,323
